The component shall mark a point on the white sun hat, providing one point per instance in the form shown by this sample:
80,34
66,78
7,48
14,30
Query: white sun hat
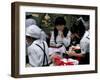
35,32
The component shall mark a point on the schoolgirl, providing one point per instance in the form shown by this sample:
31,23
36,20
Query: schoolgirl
83,35
60,37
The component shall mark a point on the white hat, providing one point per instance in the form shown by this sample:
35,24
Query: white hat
33,31
29,22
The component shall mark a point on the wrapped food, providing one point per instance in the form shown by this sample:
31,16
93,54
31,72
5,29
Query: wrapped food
58,61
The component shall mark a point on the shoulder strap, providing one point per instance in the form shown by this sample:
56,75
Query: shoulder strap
45,56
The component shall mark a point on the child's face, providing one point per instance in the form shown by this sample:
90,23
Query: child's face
29,40
74,35
60,27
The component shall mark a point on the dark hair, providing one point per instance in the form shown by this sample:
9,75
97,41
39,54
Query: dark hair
65,31
78,28
60,21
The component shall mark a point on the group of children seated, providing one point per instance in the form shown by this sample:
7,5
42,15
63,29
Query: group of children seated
66,46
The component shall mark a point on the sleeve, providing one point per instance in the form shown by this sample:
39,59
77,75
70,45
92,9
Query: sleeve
67,40
34,58
52,42
84,45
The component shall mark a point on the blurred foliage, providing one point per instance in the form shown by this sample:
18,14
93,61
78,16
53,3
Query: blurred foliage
46,21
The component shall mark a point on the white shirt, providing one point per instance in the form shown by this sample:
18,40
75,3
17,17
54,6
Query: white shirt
60,40
36,55
85,43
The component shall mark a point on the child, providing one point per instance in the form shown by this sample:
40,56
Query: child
37,48
60,37
81,32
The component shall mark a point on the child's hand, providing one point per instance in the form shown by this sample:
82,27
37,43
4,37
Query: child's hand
61,34
71,53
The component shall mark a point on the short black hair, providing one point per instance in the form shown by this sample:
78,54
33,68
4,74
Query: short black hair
60,21
78,28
